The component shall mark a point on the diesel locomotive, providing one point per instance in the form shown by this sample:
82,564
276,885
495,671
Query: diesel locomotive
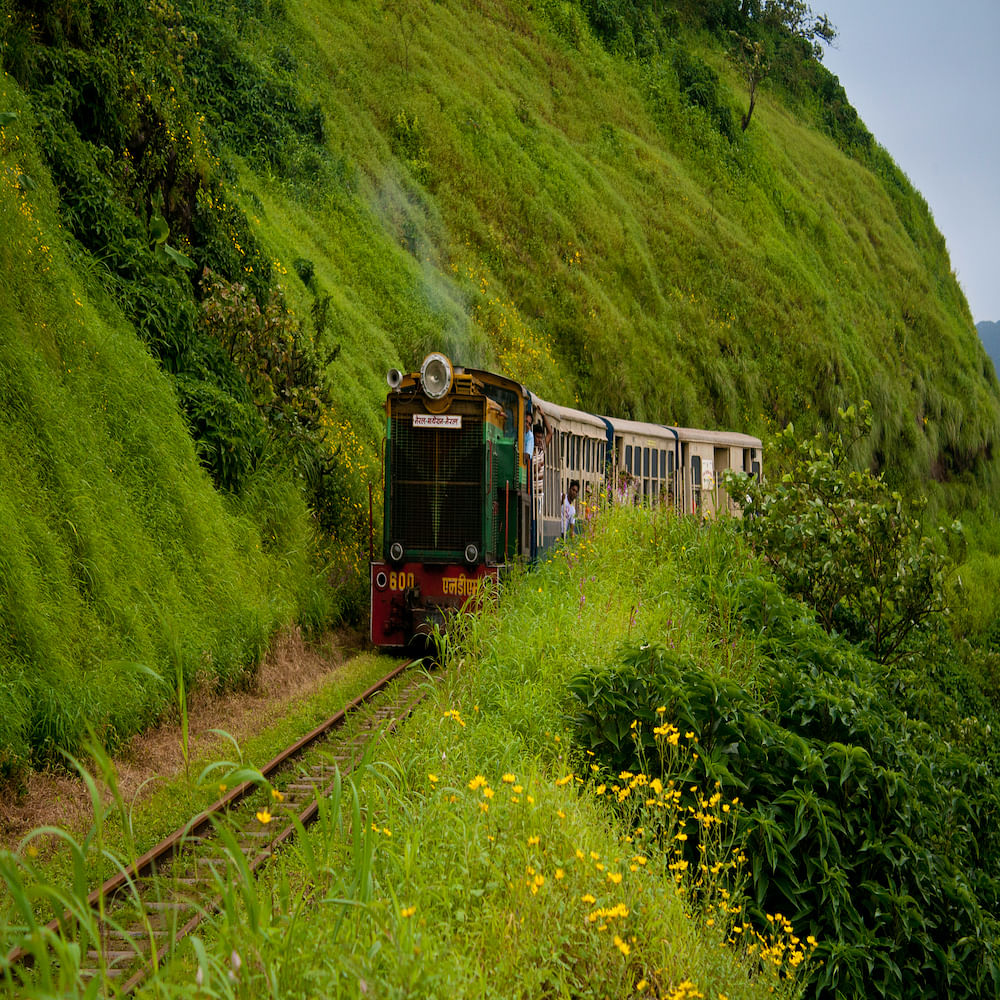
464,496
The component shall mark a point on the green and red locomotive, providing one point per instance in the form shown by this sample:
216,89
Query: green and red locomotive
454,495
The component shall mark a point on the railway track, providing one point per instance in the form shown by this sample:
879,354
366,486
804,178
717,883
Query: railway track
141,914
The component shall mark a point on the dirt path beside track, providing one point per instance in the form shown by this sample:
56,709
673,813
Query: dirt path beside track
291,670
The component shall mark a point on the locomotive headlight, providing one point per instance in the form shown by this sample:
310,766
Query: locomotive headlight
396,552
471,552
435,375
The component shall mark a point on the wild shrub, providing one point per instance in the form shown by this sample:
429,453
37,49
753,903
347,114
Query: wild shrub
633,29
846,544
410,145
284,373
700,86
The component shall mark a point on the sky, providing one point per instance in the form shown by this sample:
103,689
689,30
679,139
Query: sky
925,78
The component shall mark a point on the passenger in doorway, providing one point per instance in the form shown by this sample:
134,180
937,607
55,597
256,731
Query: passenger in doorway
529,439
568,510
542,435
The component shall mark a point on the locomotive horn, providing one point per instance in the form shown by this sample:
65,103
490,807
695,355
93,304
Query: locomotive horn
394,377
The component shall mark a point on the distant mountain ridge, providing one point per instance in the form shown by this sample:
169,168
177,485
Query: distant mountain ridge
989,334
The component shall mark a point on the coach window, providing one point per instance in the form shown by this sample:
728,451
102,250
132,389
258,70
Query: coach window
696,484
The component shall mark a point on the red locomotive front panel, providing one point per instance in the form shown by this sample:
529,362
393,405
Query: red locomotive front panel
409,599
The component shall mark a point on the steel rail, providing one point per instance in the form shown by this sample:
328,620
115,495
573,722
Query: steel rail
198,830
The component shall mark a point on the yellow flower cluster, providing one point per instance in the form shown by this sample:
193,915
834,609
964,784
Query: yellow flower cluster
522,353
686,990
21,229
780,946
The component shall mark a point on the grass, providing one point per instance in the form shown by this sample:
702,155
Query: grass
468,856
483,849
139,824
122,564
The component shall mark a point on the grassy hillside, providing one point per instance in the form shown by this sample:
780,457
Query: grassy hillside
125,575
260,207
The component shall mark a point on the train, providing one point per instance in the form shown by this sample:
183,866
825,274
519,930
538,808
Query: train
467,493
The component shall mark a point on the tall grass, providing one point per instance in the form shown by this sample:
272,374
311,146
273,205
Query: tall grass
465,856
483,849
493,183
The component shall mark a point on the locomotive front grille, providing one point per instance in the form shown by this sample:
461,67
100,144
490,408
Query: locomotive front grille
436,496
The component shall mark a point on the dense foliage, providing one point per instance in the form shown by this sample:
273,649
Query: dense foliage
865,829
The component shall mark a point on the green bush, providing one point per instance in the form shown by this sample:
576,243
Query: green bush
845,543
863,828
700,86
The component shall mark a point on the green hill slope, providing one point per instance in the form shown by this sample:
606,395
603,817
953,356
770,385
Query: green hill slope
276,202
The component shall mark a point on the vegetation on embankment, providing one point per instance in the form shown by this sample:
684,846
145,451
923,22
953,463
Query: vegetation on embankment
276,202
649,773
119,556
475,858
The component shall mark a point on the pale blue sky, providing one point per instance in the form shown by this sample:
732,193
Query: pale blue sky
925,78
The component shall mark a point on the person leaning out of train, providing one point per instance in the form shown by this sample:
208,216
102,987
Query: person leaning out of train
529,438
568,510
543,429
